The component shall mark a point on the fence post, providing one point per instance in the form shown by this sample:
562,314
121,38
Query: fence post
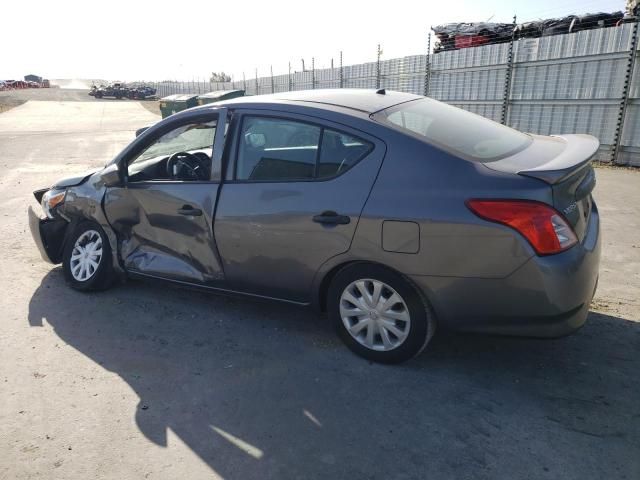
507,77
257,93
313,72
378,68
272,87
289,77
244,82
624,101
341,72
427,68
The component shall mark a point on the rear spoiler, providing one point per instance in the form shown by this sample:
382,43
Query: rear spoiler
577,155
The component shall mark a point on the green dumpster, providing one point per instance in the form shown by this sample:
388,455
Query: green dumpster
218,96
176,103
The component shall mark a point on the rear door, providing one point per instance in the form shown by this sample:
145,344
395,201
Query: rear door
163,217
292,199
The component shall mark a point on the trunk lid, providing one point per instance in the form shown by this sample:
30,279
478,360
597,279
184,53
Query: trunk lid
564,163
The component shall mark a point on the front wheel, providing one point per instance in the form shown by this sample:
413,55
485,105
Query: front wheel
87,258
379,314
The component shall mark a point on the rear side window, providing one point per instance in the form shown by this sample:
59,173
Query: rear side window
275,149
455,130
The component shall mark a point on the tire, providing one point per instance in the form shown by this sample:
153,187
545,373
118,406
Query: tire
80,242
98,95
413,336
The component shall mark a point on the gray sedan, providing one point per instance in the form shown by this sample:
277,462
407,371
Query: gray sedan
391,212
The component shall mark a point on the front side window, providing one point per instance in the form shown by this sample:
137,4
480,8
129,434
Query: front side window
181,154
273,149
453,129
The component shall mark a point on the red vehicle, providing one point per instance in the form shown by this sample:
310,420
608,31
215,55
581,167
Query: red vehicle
466,41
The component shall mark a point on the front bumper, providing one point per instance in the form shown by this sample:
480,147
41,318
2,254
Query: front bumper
546,297
49,235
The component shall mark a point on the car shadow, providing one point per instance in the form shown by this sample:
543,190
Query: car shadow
261,390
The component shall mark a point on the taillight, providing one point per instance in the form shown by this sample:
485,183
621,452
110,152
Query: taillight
545,229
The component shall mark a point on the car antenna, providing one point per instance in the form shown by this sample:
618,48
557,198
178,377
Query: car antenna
382,91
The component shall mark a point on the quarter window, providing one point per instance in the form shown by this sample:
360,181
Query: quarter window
273,149
339,152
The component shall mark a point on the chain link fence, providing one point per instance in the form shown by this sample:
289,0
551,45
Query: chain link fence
583,82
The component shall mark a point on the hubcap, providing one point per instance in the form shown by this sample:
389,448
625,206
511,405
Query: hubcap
86,255
374,314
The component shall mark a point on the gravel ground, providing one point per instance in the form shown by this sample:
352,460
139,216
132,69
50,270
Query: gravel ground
148,381
152,105
13,98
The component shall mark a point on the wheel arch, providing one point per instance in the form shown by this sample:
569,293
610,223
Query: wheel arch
319,301
85,202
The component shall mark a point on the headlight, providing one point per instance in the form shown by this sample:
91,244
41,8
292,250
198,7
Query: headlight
52,199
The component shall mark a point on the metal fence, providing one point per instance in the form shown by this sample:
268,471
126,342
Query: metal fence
583,82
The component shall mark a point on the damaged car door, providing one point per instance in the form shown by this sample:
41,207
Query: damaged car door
163,212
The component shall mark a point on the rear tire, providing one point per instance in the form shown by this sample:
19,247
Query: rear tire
379,314
87,262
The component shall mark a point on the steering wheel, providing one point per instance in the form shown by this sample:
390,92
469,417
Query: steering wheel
186,166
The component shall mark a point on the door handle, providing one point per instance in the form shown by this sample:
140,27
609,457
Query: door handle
331,218
190,211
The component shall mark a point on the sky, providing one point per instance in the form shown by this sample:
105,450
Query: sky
188,39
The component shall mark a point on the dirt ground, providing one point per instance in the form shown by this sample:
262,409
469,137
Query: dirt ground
149,381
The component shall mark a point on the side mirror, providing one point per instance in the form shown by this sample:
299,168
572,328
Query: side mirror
141,130
111,176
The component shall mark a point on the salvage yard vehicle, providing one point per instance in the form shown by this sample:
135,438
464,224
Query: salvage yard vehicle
141,92
390,211
115,90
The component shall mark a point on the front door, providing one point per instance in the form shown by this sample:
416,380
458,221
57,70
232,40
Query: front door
292,200
163,215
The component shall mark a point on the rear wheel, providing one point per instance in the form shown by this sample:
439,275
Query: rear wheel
379,314
87,258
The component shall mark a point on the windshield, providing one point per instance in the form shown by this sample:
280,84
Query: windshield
455,130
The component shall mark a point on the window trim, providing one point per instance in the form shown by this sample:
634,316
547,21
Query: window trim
292,118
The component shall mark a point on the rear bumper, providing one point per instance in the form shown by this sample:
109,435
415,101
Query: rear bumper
546,297
48,235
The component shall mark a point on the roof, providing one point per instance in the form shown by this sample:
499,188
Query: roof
363,100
